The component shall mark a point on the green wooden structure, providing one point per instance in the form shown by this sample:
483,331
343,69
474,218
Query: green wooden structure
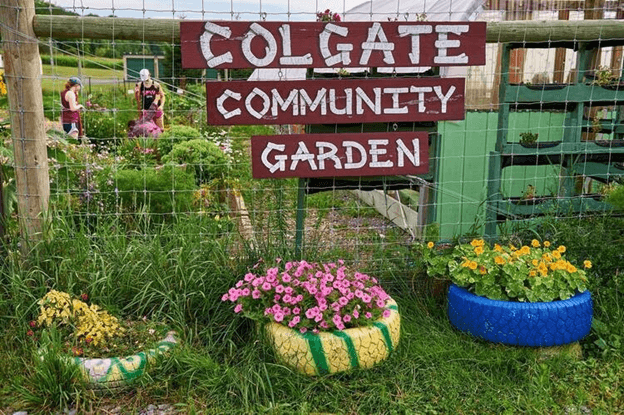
574,157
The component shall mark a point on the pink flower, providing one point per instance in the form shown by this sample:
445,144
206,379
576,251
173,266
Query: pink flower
303,330
368,315
381,303
366,298
279,289
249,277
279,317
356,315
266,286
225,297
346,318
312,312
245,292
286,277
386,313
296,310
295,320
255,294
343,301
238,308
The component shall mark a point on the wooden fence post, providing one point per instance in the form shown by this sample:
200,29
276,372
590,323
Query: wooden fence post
22,73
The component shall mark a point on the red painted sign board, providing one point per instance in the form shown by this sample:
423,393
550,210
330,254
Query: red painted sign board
335,101
340,155
227,44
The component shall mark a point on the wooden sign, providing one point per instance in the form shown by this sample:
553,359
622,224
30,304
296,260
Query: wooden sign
227,44
340,155
335,101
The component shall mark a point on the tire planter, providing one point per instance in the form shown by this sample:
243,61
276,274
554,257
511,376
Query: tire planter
521,324
338,351
118,371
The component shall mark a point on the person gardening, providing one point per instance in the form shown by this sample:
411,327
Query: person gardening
148,91
70,113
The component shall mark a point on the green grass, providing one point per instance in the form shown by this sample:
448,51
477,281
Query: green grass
178,271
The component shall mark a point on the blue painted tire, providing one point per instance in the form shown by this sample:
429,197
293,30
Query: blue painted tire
521,324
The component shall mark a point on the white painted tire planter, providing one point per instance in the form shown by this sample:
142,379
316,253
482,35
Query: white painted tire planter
521,324
119,371
338,351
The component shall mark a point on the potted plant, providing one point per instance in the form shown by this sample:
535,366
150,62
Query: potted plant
108,351
604,77
529,140
527,296
320,318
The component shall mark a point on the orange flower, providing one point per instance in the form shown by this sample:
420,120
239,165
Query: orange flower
498,248
556,254
430,245
472,265
477,242
561,249
535,243
499,260
546,244
587,264
478,250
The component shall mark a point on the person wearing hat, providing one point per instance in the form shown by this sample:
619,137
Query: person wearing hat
148,91
70,112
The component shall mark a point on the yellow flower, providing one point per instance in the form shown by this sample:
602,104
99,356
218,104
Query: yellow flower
546,257
546,244
534,262
535,243
472,265
571,268
587,264
525,250
532,273
477,242
498,248
499,260
478,250
561,249
513,248
430,245
556,254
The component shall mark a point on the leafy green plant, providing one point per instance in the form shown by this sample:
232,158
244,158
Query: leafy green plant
603,76
163,190
536,273
175,135
615,197
528,138
205,157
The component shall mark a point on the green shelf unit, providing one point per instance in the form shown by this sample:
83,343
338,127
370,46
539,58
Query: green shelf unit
571,155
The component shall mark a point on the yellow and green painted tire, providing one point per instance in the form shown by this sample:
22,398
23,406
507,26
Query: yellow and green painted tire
118,371
340,350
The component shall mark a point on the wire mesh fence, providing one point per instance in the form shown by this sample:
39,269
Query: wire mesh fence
128,170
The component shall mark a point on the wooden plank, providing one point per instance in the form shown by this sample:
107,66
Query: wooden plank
21,66
401,215
168,30
340,155
335,101
235,44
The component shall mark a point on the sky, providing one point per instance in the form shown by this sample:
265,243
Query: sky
276,10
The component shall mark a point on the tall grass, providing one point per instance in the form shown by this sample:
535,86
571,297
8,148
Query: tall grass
177,271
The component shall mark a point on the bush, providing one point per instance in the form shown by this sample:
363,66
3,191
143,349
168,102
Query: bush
176,134
163,190
206,157
616,197
106,124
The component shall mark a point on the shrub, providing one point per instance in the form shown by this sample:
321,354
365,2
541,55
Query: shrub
160,190
176,134
107,124
206,157
616,197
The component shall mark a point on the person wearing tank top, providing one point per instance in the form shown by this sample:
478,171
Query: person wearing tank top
70,111
148,91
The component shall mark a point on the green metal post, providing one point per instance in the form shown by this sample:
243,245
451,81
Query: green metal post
300,218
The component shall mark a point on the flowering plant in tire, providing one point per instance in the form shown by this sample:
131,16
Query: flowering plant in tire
86,330
310,297
535,273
